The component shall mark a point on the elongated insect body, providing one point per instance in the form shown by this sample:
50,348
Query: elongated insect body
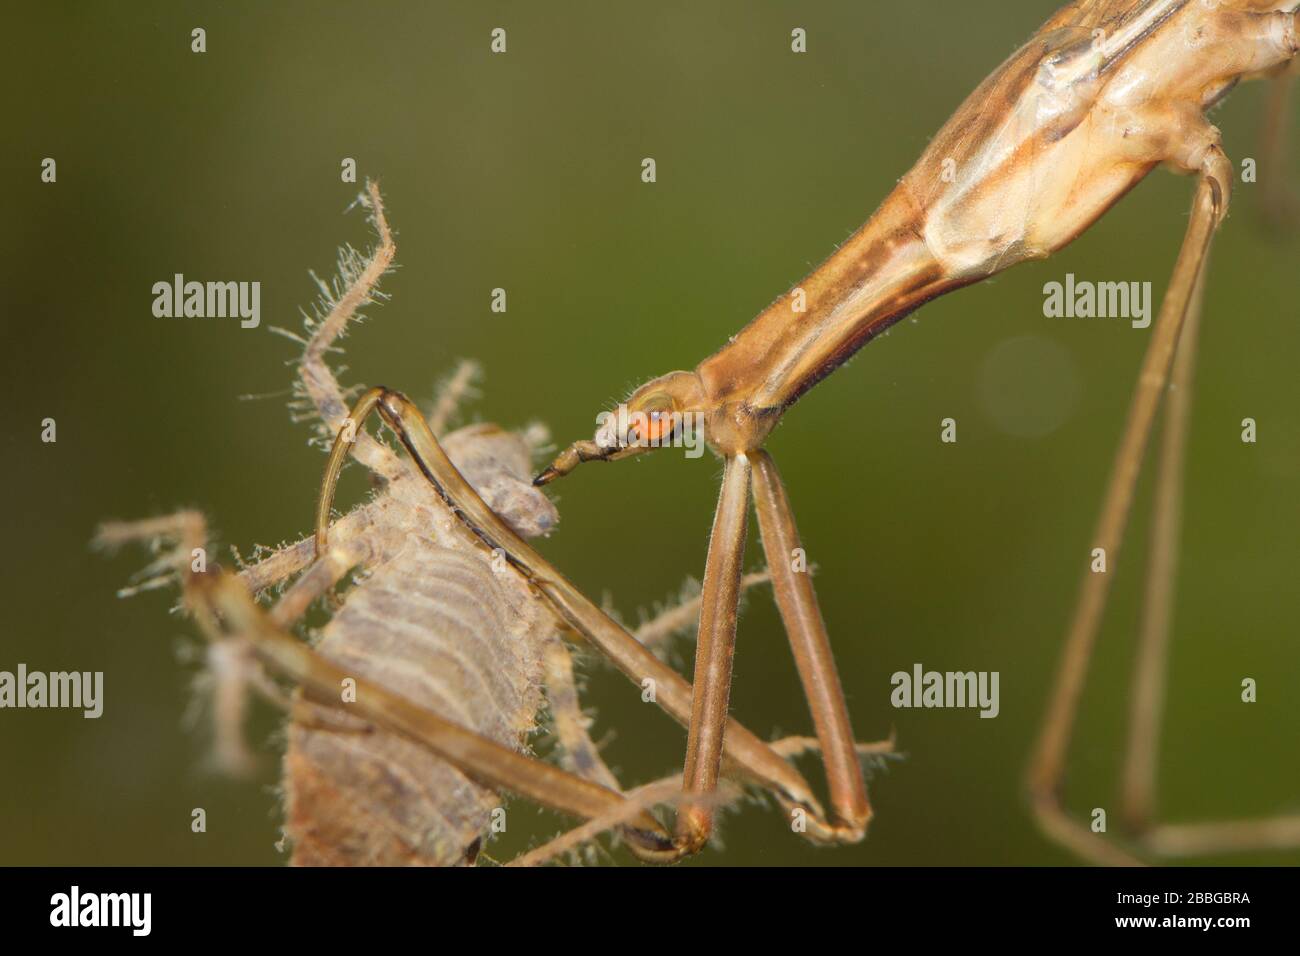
1099,96
1102,94
446,624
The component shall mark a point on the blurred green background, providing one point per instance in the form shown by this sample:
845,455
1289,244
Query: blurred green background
522,171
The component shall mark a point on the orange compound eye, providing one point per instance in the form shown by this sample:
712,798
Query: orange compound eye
654,422
660,426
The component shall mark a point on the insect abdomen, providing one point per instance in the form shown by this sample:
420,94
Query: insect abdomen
439,626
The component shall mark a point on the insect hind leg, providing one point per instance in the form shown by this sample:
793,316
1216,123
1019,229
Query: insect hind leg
1047,767
1147,702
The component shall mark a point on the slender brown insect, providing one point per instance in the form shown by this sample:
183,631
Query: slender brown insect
1103,93
417,702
